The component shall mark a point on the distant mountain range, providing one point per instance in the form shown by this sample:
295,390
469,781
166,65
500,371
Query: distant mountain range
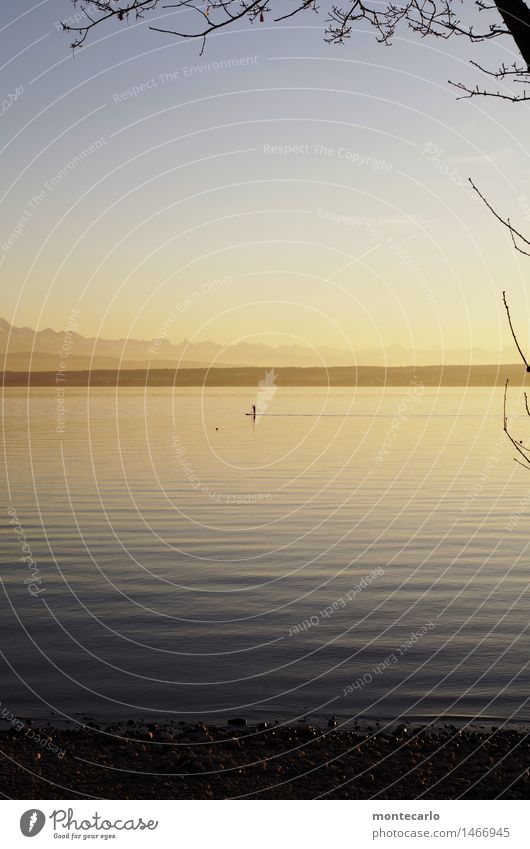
24,349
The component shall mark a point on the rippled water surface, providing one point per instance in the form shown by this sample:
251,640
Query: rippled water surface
276,568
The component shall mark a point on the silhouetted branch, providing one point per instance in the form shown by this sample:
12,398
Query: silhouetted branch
426,18
438,18
107,11
252,9
524,452
516,445
482,92
515,234
525,361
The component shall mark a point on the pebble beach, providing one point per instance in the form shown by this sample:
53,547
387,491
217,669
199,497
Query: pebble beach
194,760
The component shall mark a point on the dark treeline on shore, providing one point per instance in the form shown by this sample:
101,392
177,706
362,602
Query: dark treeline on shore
465,375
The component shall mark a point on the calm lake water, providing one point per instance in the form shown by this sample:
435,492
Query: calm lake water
275,568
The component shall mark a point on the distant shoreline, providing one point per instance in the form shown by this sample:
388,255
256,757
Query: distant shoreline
436,375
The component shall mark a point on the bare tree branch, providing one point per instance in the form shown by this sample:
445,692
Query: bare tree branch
438,18
517,445
525,361
515,234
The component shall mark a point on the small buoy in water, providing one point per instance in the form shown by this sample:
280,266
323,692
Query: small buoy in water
217,428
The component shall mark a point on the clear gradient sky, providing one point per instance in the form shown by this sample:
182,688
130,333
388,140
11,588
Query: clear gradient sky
363,236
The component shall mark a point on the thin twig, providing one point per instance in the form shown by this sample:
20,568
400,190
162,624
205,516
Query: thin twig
516,445
512,230
525,361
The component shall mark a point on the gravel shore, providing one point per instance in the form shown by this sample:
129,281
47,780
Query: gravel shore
136,760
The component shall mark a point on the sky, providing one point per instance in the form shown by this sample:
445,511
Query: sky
275,189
